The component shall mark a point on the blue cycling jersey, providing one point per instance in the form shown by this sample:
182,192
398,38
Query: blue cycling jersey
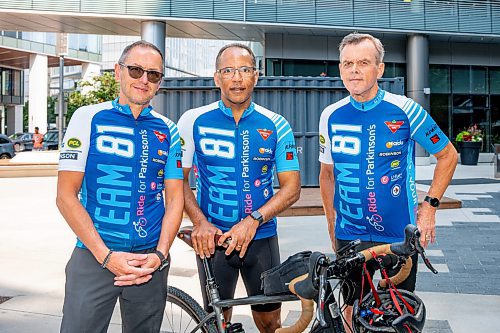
233,163
125,162
372,148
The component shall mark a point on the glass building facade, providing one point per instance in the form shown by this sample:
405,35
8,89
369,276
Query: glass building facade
460,95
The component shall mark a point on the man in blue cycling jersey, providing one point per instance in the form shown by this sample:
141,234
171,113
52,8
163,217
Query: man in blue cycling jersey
117,160
233,145
367,155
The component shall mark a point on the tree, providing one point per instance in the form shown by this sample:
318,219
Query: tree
98,89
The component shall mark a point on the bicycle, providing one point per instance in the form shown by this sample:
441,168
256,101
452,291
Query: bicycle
318,285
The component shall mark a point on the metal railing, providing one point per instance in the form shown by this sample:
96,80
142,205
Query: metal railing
452,16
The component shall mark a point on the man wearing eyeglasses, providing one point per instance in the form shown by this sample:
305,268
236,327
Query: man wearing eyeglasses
233,145
118,157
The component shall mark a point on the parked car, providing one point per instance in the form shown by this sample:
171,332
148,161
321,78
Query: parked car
51,140
22,141
6,147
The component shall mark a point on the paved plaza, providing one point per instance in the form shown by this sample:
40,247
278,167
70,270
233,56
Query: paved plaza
35,244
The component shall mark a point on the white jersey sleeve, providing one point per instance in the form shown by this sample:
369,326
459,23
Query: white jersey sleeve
186,126
324,139
76,142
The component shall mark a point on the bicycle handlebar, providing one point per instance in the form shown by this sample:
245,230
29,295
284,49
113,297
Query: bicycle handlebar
340,267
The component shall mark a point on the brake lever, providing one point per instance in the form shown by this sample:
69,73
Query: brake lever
420,250
322,293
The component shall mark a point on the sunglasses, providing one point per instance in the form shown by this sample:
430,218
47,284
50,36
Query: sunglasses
137,72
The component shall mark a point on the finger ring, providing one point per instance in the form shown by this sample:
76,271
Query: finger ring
238,246
427,236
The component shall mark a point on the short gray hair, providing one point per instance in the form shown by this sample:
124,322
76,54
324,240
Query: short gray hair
355,38
237,45
140,43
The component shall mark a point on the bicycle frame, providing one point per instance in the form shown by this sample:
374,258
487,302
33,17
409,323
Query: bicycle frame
218,304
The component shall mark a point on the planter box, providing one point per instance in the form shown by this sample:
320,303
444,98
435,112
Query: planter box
469,152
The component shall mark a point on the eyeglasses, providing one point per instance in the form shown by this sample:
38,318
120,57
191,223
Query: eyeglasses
137,72
230,72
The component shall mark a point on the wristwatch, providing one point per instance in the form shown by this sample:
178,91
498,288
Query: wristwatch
257,217
434,202
163,261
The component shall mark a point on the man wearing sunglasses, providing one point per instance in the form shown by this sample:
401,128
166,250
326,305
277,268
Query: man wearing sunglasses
235,144
118,157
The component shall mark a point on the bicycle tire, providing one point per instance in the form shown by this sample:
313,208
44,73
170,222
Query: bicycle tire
180,304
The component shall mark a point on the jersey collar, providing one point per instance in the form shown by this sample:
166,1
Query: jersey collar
227,111
124,108
367,106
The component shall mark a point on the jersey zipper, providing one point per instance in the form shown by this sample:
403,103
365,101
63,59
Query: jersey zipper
238,173
133,236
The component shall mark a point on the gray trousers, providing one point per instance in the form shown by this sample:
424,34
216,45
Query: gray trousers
90,298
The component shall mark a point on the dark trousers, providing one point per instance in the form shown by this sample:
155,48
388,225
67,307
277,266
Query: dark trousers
90,298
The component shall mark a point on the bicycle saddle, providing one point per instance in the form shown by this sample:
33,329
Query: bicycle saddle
184,234
306,288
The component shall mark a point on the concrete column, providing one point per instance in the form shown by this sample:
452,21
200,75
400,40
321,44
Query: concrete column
38,85
90,70
417,70
14,119
155,33
2,119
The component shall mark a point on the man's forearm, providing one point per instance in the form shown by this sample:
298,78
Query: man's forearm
191,206
80,222
171,220
445,167
327,192
288,194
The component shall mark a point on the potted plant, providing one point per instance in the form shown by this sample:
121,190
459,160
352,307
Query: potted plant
469,143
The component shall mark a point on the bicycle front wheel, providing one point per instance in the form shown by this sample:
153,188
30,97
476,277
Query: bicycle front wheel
183,314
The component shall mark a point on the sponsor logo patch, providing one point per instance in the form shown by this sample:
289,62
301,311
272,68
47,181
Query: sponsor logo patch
68,156
264,169
264,133
389,153
160,173
391,144
161,136
395,164
396,190
266,193
322,139
182,142
158,160
74,143
396,176
257,183
384,180
435,138
179,164
431,130
265,150
394,125
289,155
261,159
153,186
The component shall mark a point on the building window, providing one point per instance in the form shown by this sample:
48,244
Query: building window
439,78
